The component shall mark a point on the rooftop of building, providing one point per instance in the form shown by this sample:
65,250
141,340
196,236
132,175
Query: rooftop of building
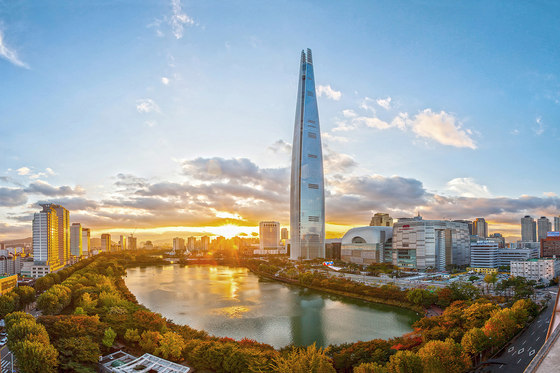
122,362
366,235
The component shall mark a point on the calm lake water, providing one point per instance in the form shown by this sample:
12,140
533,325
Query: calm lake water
233,302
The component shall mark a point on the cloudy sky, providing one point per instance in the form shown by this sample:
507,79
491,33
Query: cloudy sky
176,117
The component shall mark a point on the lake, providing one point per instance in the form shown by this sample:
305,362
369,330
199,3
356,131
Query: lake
233,302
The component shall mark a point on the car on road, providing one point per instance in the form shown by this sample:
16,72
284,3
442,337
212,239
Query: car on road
4,340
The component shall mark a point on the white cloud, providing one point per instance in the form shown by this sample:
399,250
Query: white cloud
150,123
467,187
10,54
349,113
539,128
374,122
179,19
328,92
50,171
443,128
23,171
514,131
367,104
164,80
385,103
147,105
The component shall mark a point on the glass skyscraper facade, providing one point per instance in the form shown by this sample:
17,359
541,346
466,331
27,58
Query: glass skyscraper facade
307,188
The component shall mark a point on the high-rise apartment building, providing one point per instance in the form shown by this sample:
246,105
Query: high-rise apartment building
557,223
269,235
45,238
76,240
105,242
63,233
284,234
544,226
307,192
380,219
122,242
528,229
423,244
204,243
178,244
86,241
480,228
131,243
191,243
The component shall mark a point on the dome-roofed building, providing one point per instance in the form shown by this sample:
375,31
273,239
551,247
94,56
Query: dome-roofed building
365,245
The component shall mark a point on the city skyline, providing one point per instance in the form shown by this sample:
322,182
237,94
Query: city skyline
174,122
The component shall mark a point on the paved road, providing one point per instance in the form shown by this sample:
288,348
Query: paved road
519,352
6,360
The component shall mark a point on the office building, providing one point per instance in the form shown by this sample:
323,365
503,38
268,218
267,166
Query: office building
105,243
7,284
269,235
46,239
380,219
544,226
480,228
528,229
557,224
307,194
365,245
131,243
543,269
86,242
497,238
550,246
122,242
178,244
423,244
469,224
507,255
484,254
63,233
204,243
76,240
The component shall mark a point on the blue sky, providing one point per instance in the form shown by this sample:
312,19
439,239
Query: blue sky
178,115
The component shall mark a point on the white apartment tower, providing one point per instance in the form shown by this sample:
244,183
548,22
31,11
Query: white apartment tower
76,240
45,238
86,241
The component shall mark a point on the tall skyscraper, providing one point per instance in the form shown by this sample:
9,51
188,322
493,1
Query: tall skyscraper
191,243
480,228
105,242
204,243
63,233
76,239
269,235
544,226
178,244
380,219
86,241
528,229
307,192
45,238
284,234
557,223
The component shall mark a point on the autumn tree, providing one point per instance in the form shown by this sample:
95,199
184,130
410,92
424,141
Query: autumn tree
404,362
370,368
421,297
170,346
36,357
304,360
26,295
149,341
108,337
443,357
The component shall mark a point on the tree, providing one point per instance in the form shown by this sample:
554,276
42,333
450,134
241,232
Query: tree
475,341
304,360
78,349
491,278
131,335
16,317
44,283
463,291
26,295
443,357
171,346
26,329
149,341
404,362
421,297
109,337
370,368
7,305
476,314
36,357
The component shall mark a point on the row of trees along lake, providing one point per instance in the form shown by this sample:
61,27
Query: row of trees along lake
88,311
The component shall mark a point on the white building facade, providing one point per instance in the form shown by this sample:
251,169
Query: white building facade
484,254
536,269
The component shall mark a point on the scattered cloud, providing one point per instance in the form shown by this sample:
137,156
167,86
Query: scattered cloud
328,92
467,187
179,19
10,197
280,146
44,188
539,128
385,103
10,54
50,171
165,80
147,105
23,171
514,132
367,104
443,128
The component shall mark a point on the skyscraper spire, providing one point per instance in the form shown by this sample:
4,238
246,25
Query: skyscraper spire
307,192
